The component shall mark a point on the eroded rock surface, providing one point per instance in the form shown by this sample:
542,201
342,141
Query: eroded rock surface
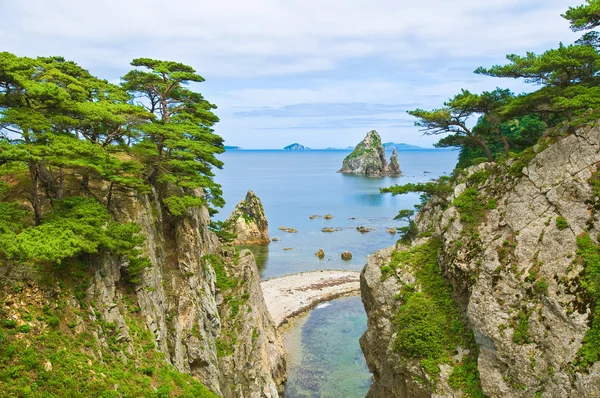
515,274
369,158
249,222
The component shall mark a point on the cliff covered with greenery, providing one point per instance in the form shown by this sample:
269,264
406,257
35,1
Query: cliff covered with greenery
113,279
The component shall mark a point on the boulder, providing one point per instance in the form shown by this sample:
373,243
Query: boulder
288,230
320,254
327,229
249,222
346,256
328,216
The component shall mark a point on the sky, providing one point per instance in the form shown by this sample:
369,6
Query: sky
318,72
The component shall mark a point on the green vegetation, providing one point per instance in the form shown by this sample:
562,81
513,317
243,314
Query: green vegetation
521,327
440,189
361,149
428,320
588,253
472,206
71,144
41,361
561,223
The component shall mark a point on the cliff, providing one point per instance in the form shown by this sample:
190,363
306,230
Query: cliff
368,158
249,222
195,315
498,296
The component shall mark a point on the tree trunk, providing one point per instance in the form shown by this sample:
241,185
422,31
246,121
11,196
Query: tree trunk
110,192
60,192
485,148
35,192
504,140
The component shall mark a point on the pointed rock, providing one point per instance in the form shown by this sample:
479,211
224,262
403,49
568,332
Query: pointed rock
369,158
393,169
249,222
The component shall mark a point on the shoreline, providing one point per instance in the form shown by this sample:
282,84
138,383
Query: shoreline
288,296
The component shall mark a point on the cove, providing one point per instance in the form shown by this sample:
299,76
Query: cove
324,357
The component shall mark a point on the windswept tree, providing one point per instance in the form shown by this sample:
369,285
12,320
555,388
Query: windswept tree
64,126
453,119
179,145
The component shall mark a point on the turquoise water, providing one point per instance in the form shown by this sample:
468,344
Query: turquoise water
324,355
295,185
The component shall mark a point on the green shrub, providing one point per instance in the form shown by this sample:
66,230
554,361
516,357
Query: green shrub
52,321
9,323
25,328
561,223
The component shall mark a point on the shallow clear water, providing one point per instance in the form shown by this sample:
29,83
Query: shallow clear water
294,185
324,357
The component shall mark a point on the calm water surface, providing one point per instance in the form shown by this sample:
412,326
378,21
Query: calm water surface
293,185
324,355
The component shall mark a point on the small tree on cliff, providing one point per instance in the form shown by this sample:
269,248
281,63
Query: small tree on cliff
453,119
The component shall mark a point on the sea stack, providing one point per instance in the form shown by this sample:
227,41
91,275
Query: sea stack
369,158
249,222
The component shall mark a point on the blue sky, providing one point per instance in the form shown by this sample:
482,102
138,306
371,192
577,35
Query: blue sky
318,72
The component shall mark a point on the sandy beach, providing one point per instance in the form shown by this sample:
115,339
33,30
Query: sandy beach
291,295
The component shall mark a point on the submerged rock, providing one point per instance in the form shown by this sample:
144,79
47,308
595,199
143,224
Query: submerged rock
288,230
363,229
328,216
320,254
327,229
369,158
391,231
346,256
249,222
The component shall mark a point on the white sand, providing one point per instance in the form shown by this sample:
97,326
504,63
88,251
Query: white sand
291,295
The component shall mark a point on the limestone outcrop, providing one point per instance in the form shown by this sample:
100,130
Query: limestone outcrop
249,222
513,243
368,158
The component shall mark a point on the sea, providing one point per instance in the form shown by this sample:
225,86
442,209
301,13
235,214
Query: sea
325,359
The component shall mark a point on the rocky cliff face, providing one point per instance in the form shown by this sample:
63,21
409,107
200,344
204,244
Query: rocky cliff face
249,222
517,247
199,304
369,158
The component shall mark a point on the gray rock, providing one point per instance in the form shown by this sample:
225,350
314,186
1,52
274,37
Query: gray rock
490,275
369,158
249,222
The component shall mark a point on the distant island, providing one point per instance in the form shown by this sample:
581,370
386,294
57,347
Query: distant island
233,148
296,147
388,146
348,148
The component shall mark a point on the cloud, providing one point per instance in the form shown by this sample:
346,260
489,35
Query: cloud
326,109
269,37
301,66
344,123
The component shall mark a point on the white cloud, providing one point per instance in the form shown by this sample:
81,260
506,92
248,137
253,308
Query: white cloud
274,53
